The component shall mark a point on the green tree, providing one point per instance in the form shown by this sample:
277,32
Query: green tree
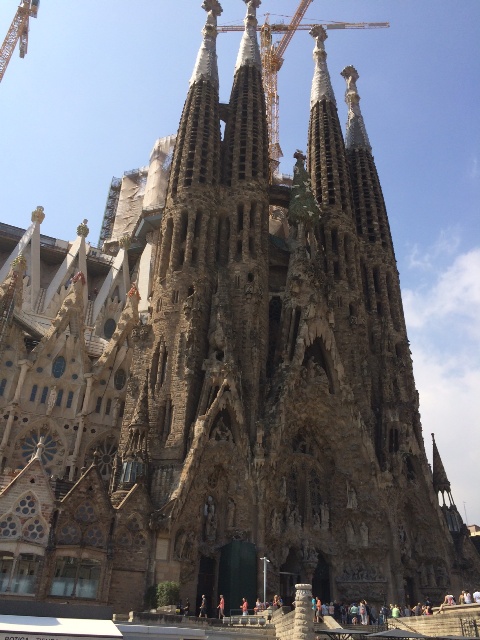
168,593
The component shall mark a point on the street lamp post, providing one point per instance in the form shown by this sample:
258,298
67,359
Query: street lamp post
265,560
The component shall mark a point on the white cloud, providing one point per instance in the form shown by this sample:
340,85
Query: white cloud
444,330
446,245
452,302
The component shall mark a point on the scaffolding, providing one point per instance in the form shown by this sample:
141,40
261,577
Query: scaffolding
110,211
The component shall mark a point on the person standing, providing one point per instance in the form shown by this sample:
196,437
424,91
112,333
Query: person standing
203,608
186,608
244,607
221,608
395,611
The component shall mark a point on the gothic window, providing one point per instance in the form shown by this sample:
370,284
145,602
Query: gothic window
20,575
75,577
9,527
85,512
109,328
69,534
120,379
58,367
33,393
58,402
3,384
43,398
34,529
98,406
27,506
94,537
69,399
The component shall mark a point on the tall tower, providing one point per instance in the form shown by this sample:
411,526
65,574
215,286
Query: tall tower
393,398
243,233
173,347
327,165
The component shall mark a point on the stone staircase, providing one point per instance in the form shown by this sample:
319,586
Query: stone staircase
460,620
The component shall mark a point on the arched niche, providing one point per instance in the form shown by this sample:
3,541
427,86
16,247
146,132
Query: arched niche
318,362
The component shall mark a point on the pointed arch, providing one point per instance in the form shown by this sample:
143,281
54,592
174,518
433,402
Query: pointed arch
35,529
10,527
27,505
69,534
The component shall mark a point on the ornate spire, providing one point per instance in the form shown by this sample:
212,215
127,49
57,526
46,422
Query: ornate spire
303,204
249,53
356,137
206,65
440,480
321,85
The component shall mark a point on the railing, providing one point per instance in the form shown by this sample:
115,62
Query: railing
238,616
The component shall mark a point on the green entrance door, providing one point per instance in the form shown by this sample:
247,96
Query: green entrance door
237,576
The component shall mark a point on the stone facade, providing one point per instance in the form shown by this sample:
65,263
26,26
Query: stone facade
258,392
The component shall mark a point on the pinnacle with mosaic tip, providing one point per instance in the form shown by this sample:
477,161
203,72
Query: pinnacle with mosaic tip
321,84
206,64
249,52
356,135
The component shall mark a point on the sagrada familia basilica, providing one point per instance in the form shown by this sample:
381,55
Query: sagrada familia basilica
228,378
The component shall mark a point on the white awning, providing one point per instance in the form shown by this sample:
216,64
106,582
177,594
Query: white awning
36,628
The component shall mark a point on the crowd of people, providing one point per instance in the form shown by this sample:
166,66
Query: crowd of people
360,612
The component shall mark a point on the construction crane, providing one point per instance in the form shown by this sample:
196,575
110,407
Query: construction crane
272,54
18,31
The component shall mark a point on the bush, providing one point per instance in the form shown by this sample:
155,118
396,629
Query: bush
168,593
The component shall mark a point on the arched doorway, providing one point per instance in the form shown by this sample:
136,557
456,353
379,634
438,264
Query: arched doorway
206,583
290,575
321,580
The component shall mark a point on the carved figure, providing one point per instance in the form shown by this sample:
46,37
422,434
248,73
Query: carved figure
230,513
325,511
316,521
364,534
352,502
350,533
52,398
221,431
276,521
210,520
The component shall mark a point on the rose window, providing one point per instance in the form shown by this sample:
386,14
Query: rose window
68,534
9,527
29,448
85,513
139,541
134,524
27,506
123,538
94,537
34,529
106,452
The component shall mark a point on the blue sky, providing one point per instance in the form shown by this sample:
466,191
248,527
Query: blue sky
102,80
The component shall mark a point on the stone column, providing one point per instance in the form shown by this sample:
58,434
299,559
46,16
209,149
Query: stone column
89,379
8,428
303,625
25,365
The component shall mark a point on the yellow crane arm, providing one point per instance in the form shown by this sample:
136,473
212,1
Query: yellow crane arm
18,31
292,27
